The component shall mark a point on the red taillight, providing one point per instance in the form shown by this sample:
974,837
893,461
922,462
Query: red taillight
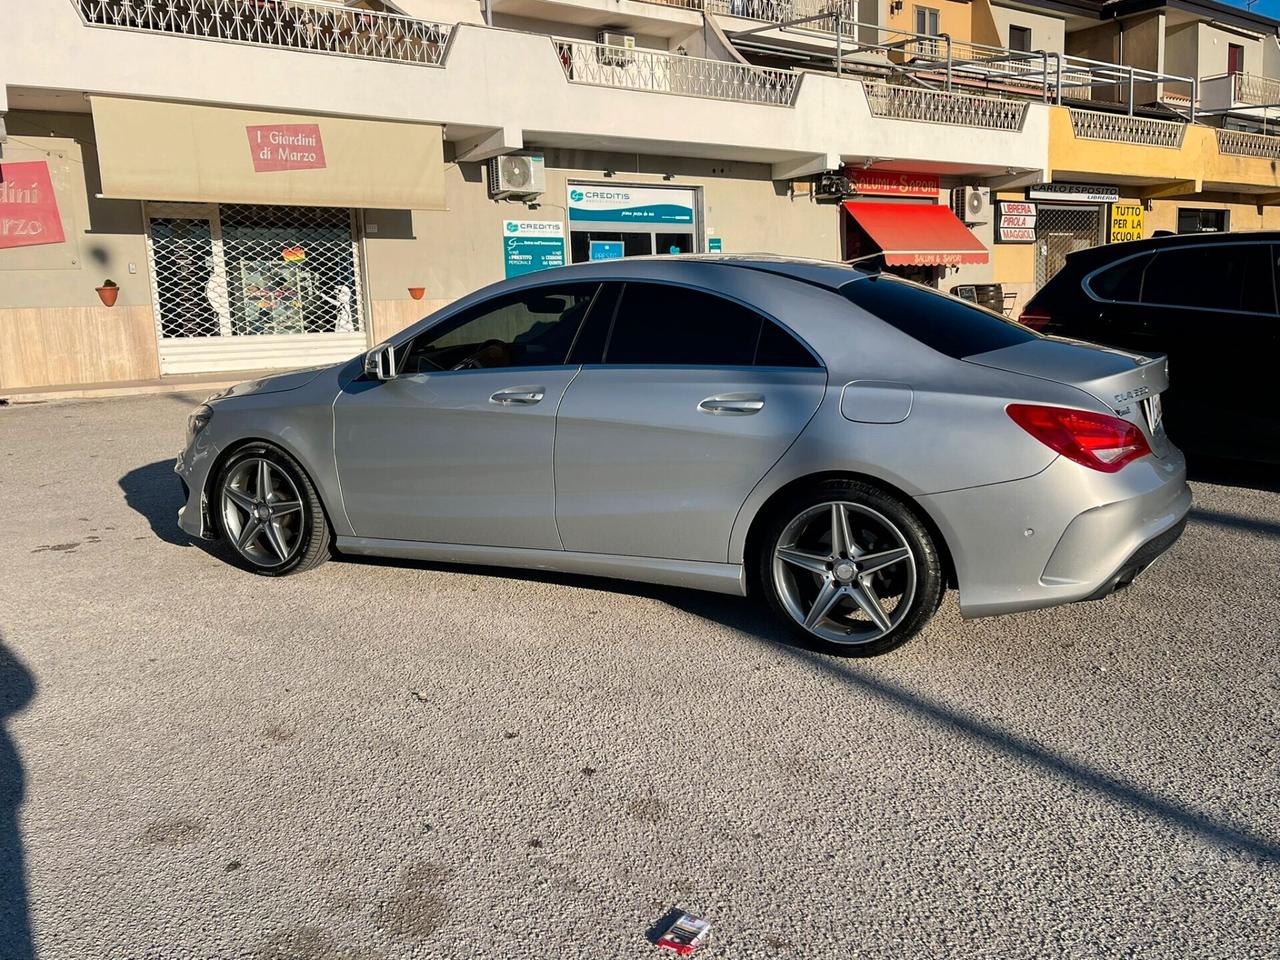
1096,440
1034,319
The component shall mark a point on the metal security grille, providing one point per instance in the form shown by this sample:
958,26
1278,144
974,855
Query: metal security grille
239,286
1060,231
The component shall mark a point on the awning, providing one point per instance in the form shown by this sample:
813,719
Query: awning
917,234
154,150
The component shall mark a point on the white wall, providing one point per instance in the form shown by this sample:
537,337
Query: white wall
1047,33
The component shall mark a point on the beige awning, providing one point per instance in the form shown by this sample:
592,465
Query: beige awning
152,150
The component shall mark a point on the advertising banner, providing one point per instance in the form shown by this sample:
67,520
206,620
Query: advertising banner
1073,192
286,146
1016,223
892,183
28,207
605,250
623,204
530,245
1127,222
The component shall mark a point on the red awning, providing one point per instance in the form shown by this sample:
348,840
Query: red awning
917,234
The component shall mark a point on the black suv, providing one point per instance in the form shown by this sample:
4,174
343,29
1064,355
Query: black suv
1208,301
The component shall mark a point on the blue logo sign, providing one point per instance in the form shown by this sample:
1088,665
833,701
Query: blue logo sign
512,226
576,195
606,250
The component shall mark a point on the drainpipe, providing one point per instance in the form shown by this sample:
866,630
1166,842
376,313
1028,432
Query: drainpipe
488,13
839,44
1131,90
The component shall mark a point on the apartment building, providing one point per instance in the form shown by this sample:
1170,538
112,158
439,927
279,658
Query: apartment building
273,183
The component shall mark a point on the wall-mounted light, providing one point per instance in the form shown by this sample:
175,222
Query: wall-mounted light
668,176
895,6
608,173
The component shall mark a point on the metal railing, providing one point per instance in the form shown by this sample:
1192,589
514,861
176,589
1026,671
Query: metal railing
313,26
1122,128
1255,90
893,102
656,71
1240,143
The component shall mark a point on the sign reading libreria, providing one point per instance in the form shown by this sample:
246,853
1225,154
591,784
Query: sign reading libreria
529,245
624,204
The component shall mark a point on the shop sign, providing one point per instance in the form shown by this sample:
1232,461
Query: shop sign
624,204
530,245
286,146
891,183
714,245
605,250
28,206
1127,222
1073,192
1017,222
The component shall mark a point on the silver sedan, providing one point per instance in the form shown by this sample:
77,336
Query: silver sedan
843,444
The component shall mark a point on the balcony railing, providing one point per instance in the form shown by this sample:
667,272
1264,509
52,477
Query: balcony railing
937,106
656,71
315,27
1242,144
1122,128
784,11
1255,90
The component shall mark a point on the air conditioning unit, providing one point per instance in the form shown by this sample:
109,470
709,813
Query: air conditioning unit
616,49
972,204
832,186
517,175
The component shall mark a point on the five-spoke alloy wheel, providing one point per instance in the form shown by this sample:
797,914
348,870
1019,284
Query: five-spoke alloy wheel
268,512
852,567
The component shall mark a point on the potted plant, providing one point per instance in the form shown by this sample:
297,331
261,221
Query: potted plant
417,292
108,292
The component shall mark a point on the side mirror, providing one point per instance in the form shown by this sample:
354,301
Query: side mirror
380,363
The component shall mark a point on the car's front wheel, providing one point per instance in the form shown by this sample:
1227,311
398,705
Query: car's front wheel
851,567
269,513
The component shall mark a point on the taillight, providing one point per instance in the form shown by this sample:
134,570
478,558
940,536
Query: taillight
1035,319
1096,440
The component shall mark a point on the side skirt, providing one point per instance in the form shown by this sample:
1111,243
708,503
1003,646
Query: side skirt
727,578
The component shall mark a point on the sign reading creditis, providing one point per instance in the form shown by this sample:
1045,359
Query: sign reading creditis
624,204
1017,223
891,183
29,213
286,146
530,245
1127,222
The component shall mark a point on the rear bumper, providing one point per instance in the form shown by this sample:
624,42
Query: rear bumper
1066,534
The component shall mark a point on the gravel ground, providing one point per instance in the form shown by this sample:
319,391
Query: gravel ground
384,760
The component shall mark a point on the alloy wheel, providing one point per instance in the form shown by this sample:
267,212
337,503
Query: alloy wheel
262,512
844,572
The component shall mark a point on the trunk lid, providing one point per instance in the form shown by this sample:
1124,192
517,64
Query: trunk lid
1127,383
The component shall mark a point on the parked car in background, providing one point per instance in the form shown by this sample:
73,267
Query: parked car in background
1208,302
844,444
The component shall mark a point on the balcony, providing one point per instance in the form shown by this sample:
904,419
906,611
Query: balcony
314,27
937,106
1238,143
655,71
1122,128
1249,94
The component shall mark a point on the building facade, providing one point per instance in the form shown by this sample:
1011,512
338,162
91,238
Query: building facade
276,183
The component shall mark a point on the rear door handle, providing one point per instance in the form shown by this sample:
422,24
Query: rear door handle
733,404
518,396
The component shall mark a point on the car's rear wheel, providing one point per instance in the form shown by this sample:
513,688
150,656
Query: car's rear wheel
850,567
269,513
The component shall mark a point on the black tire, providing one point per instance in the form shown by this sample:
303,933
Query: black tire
309,538
929,576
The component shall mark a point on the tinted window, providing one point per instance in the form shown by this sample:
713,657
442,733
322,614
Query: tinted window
944,323
659,324
1232,277
778,348
534,328
1121,282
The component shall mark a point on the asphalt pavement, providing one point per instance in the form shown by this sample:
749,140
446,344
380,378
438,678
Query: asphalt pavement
392,760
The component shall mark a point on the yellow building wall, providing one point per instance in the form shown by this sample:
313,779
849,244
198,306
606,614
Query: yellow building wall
954,18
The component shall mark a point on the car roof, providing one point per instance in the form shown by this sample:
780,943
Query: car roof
1107,252
829,274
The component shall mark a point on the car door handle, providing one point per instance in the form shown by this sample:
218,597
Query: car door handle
518,395
733,404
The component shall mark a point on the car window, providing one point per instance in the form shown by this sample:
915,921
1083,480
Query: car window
1123,281
1216,277
532,328
778,348
661,324
948,325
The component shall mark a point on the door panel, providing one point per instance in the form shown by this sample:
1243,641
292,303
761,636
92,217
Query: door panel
453,456
657,461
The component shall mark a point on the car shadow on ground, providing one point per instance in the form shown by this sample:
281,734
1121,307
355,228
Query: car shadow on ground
1234,473
17,689
155,492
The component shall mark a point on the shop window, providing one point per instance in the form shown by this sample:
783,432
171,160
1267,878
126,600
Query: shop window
1203,221
633,244
1020,39
533,328
1218,277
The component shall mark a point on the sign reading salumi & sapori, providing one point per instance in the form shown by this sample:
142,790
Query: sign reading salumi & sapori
28,206
891,183
286,146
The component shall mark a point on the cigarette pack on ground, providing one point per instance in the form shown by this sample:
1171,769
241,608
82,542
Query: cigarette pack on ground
685,934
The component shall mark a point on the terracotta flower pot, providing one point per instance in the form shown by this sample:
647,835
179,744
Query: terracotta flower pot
417,292
108,295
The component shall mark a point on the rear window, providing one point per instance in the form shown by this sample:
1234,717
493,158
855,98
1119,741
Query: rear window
944,323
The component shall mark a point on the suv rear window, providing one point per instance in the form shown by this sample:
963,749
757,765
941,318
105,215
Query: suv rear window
948,325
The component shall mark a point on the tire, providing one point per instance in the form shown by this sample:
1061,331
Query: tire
809,573
295,539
